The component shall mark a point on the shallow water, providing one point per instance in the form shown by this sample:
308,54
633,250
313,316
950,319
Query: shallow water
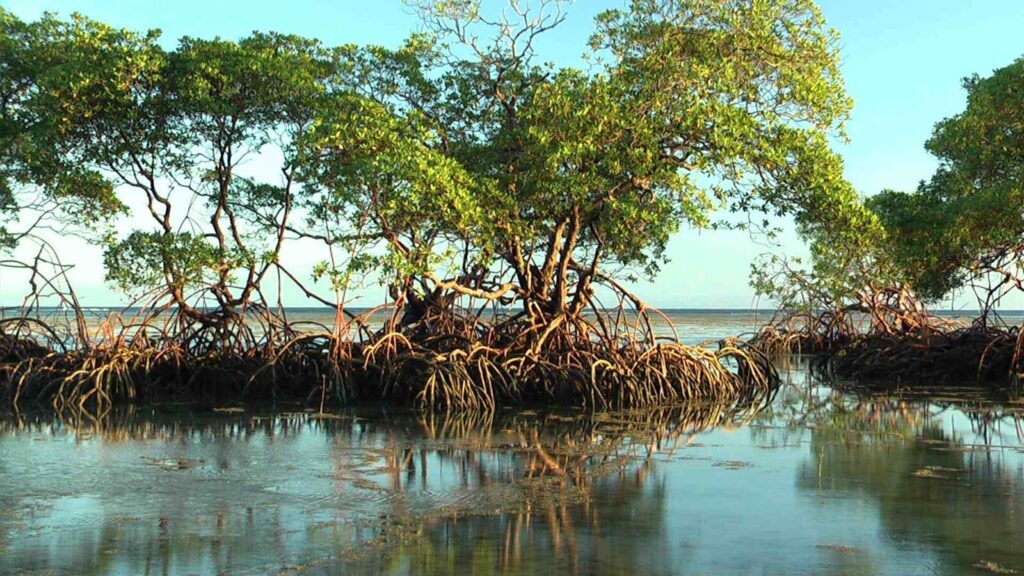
810,481
814,481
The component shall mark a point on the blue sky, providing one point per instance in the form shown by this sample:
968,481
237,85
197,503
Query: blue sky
902,61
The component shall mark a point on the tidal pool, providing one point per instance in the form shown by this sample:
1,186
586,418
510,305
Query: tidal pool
810,481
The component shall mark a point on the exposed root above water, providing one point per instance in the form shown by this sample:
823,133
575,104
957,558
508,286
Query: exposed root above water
896,340
441,360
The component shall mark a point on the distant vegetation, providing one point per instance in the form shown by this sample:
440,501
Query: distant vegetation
497,198
961,231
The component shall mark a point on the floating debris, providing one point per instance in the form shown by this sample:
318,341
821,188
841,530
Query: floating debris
173,463
839,548
937,472
732,464
993,567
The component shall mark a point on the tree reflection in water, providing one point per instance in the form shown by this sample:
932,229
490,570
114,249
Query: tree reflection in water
945,473
141,491
936,483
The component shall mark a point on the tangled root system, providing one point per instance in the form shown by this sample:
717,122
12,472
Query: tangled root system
442,360
896,340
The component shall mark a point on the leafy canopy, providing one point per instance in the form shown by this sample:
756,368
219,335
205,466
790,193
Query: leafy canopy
966,221
459,163
559,173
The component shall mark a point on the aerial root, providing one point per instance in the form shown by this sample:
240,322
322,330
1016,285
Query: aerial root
909,346
439,362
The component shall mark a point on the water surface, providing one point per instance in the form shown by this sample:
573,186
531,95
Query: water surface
811,481
816,482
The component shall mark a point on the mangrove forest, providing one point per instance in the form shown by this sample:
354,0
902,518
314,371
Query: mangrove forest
501,201
504,205
511,287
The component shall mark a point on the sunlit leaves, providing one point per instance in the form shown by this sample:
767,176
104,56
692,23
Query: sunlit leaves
145,260
967,219
473,162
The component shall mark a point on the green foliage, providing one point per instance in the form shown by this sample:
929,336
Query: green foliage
37,178
146,260
103,117
455,162
7,210
984,145
552,174
963,224
966,222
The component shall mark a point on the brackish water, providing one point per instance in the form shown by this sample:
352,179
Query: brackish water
811,481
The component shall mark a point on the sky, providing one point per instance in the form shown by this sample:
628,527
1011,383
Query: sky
903,61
